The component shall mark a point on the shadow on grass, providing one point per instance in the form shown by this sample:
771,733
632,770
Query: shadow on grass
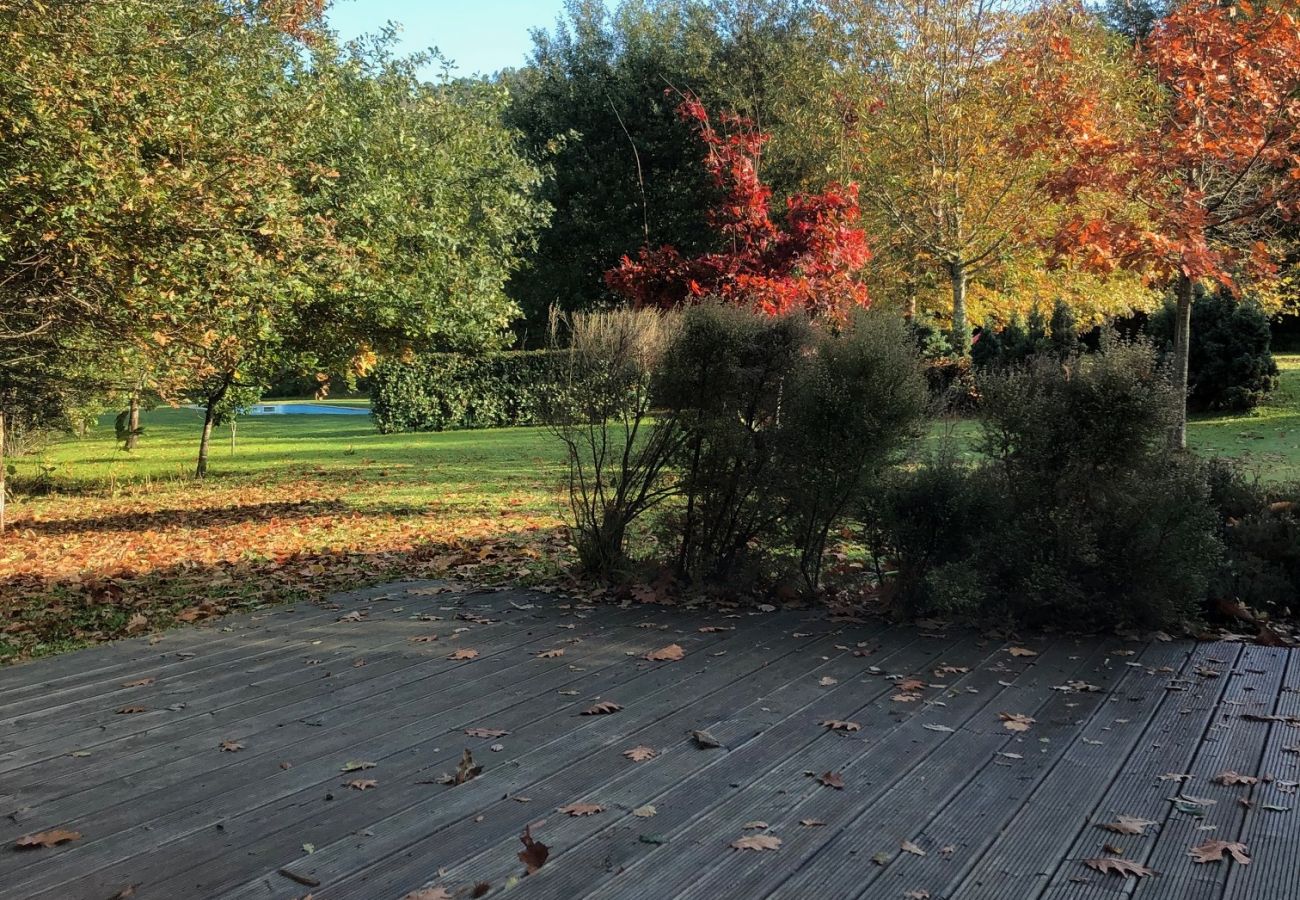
191,518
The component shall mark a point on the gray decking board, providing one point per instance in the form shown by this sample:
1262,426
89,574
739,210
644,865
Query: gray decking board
161,808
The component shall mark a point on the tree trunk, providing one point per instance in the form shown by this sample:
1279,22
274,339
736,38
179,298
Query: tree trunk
2,471
960,329
209,419
133,423
1182,352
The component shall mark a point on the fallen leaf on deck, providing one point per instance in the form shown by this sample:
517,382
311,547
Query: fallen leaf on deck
748,826
356,766
230,746
467,769
130,710
811,823
909,847
644,812
1127,825
666,654
832,780
704,740
911,685
1022,651
433,893
1108,865
604,707
917,895
550,654
1212,851
640,754
534,854
951,670
464,654
1173,776
1016,721
425,639
142,682
757,842
1230,777
827,681
49,838
362,784
354,616
480,890
839,725
942,728
581,809
486,732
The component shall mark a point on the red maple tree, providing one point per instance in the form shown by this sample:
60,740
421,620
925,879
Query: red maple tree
1191,181
808,261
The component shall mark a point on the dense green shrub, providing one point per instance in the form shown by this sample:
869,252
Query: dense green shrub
722,379
1260,530
1230,366
848,413
1057,336
445,391
1088,519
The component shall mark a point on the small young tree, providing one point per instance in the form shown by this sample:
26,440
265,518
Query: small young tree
1182,162
601,407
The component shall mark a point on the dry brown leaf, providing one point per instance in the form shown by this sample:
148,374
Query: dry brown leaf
467,769
917,895
1022,651
951,670
131,710
534,854
603,708
1109,865
551,654
1230,778
755,825
666,654
425,639
827,681
1127,825
905,698
1212,851
581,809
51,838
640,754
832,780
839,725
644,812
811,823
911,685
757,842
141,682
465,653
362,784
1016,721
486,732
431,893
909,847
230,746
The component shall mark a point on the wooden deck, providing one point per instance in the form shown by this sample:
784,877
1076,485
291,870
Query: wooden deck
987,813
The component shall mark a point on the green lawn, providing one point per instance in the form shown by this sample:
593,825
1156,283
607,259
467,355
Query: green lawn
105,542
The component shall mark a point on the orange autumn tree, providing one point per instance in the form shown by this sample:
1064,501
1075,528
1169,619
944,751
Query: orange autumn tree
1185,165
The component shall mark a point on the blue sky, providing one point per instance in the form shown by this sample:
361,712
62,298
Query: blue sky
481,36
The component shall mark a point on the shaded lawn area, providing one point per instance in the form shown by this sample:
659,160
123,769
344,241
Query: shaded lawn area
125,543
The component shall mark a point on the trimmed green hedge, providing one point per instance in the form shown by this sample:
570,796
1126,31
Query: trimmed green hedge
447,391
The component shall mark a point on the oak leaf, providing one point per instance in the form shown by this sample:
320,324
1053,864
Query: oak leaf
1016,721
832,780
1127,825
603,708
50,838
230,746
757,842
840,725
465,653
362,784
1212,851
640,754
535,853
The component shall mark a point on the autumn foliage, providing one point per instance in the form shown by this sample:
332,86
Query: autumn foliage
1191,181
807,261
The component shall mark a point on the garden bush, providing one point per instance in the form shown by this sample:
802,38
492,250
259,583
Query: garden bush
1230,365
1091,521
1259,527
723,379
446,391
600,405
1057,336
